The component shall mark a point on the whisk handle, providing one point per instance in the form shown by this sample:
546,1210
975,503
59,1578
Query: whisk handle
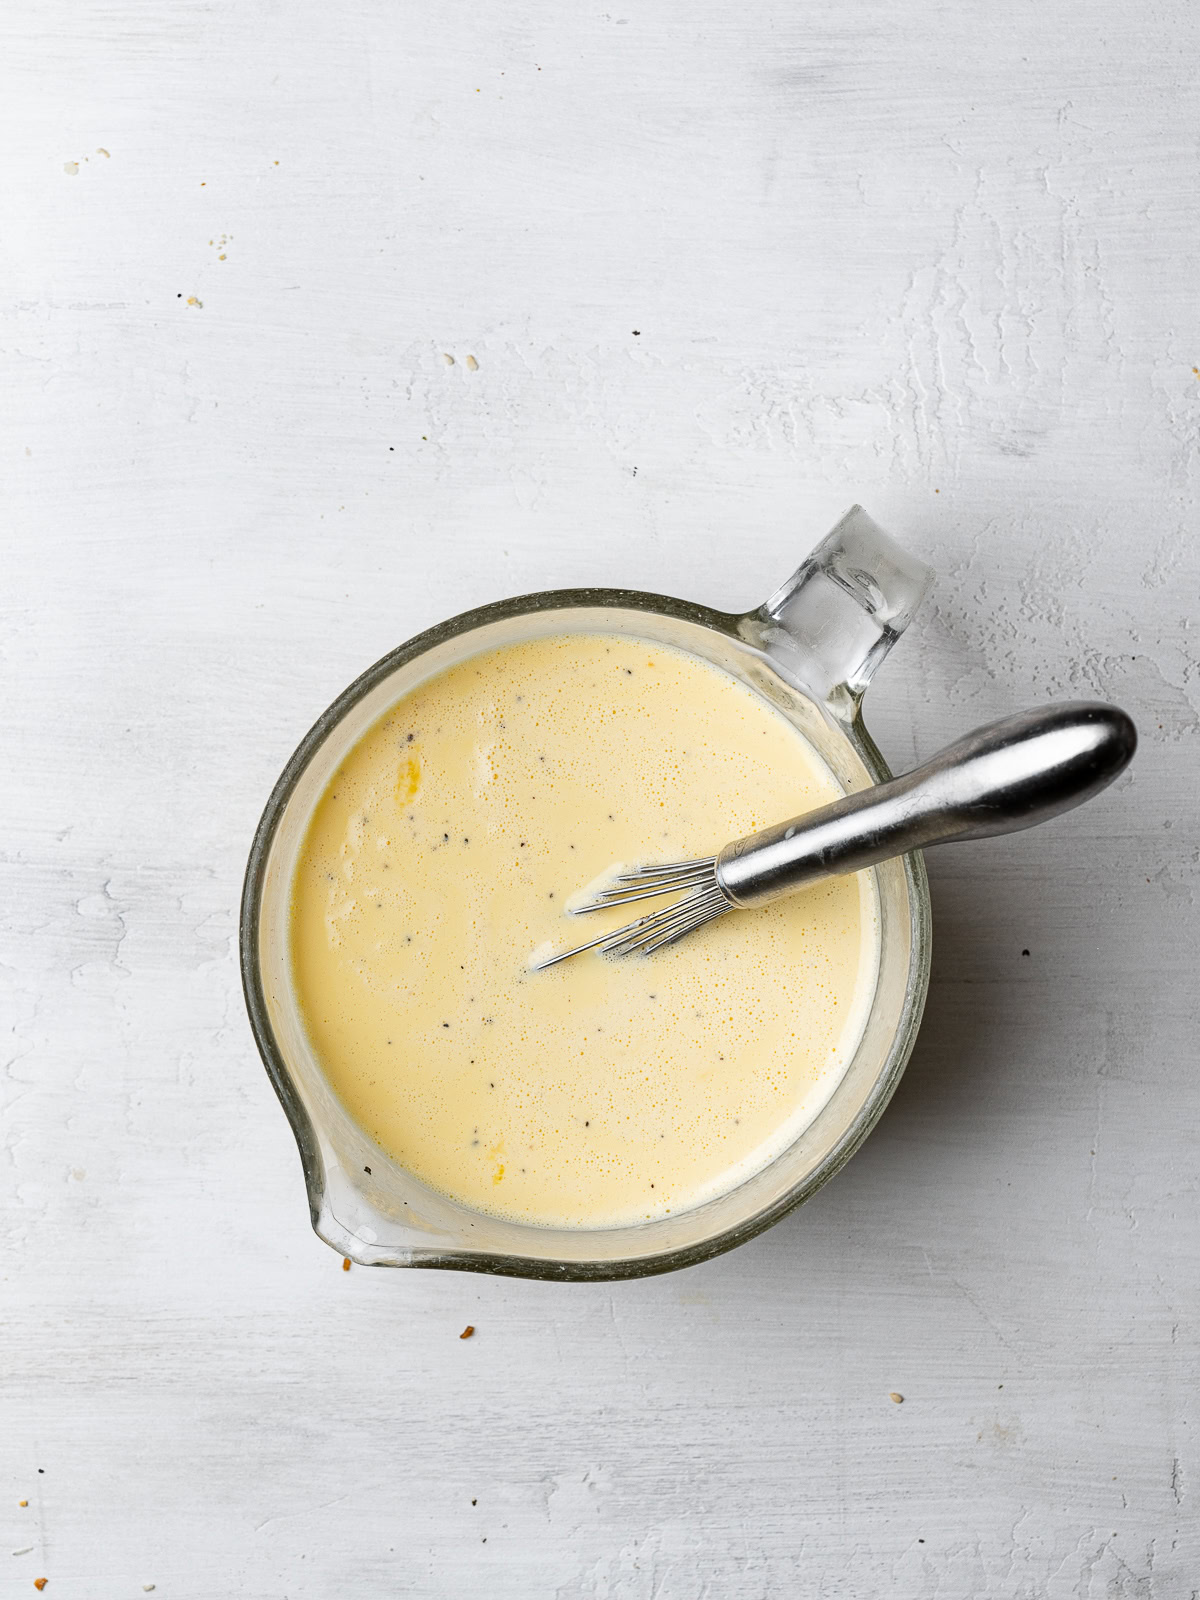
1006,776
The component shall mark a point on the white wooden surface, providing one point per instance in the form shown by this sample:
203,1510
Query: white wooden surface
707,273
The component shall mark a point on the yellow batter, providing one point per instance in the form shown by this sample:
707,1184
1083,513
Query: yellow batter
597,1092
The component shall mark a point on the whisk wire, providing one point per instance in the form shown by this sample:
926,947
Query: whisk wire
703,901
673,923
633,886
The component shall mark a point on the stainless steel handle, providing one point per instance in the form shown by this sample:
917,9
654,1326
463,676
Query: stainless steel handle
1009,775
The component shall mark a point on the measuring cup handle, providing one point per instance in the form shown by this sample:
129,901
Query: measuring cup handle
832,623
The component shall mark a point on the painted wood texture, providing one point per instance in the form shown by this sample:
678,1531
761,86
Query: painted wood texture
321,323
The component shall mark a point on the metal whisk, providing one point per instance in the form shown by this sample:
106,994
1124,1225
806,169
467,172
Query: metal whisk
1003,777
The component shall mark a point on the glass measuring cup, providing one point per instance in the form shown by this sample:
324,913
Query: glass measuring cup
810,650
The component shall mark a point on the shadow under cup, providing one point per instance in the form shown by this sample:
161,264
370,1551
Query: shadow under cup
372,1210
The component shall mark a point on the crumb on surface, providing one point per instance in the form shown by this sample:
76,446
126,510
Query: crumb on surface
40,1583
345,1263
897,1399
467,1333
